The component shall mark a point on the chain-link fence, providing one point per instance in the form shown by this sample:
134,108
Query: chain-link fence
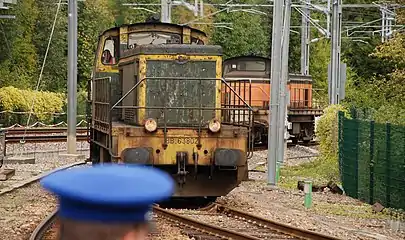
10,118
372,161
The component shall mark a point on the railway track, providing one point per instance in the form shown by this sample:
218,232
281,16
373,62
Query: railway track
265,147
254,227
37,135
40,130
43,138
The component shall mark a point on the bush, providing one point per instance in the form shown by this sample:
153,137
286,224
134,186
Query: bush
327,131
18,100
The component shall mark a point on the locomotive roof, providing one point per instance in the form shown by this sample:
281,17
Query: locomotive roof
141,24
247,57
186,49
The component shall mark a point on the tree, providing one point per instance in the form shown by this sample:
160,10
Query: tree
249,35
55,71
19,65
95,17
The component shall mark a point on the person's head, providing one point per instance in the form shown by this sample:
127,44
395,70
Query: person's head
77,230
106,58
107,202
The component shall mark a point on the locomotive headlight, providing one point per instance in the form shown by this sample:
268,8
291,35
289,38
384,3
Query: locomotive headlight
150,125
214,125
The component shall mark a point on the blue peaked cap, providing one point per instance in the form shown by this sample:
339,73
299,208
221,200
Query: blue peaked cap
109,193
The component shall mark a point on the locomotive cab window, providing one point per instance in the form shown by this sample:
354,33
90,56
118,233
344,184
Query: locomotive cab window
155,38
110,51
251,66
306,97
196,41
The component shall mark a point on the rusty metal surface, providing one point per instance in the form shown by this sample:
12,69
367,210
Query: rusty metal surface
179,139
187,49
180,93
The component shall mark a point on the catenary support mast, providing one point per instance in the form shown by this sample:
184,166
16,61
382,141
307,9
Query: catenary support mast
334,67
282,128
72,77
305,38
275,90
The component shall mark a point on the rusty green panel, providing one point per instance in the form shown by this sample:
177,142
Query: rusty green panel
171,93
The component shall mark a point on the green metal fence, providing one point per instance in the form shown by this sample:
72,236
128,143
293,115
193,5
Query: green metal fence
372,161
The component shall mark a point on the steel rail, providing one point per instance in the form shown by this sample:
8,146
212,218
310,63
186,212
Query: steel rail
42,138
44,226
47,223
206,228
303,144
283,228
19,130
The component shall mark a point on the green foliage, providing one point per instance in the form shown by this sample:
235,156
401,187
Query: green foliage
318,65
17,100
97,18
19,53
325,168
320,171
81,102
360,54
250,34
327,131
54,77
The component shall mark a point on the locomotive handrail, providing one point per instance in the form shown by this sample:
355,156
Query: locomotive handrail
250,109
179,78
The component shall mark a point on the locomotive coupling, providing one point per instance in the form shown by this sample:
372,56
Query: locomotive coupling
181,160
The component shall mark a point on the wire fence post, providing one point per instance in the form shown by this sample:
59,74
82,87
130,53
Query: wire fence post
2,147
371,197
340,143
388,164
356,156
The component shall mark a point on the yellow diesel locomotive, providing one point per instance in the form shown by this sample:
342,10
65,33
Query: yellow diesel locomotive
156,99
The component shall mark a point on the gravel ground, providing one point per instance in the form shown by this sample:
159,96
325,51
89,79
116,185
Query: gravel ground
22,210
44,161
30,148
231,223
166,231
331,214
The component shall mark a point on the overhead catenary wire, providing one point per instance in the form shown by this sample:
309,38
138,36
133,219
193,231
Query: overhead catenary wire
42,70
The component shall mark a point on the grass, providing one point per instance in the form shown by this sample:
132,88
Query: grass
320,171
354,211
